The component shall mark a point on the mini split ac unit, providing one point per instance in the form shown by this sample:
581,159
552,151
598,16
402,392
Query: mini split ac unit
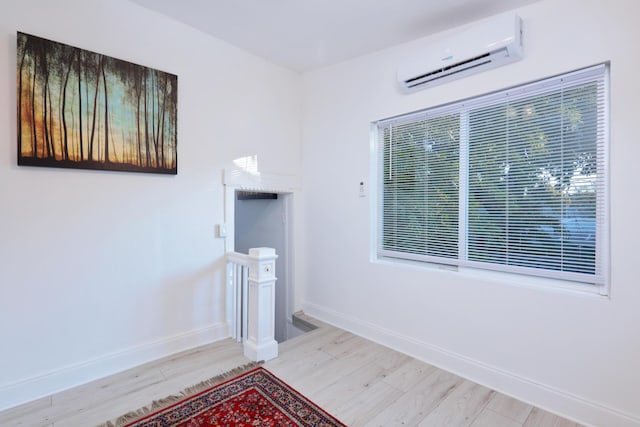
492,43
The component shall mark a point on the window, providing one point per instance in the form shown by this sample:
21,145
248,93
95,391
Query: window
513,181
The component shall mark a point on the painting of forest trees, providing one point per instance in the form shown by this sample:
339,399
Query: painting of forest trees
80,109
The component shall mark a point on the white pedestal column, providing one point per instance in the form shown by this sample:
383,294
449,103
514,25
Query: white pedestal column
260,343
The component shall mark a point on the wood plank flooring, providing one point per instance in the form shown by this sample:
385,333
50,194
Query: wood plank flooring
358,381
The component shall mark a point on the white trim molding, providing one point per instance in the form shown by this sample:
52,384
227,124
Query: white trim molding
39,386
543,396
244,179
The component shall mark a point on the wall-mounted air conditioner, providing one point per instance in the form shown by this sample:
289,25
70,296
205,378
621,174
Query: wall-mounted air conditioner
489,44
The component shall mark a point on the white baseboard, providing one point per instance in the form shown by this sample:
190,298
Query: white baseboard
29,389
543,396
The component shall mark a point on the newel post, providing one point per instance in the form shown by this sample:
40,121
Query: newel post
260,343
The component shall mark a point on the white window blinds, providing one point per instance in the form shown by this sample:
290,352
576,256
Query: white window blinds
513,181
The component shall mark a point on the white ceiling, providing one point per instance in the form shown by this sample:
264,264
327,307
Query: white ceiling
307,34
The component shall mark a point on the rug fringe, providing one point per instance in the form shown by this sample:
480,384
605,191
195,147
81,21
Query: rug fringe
157,405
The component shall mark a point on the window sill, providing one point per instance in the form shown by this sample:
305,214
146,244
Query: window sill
509,279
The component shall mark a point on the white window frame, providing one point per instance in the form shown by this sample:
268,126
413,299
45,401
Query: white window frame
496,272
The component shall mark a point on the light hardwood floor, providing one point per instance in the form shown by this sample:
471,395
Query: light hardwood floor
358,381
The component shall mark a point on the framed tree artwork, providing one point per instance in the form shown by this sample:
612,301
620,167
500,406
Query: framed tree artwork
84,110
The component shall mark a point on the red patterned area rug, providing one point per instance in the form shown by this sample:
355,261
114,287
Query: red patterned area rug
256,398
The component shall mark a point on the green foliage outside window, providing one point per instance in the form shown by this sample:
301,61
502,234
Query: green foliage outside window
529,182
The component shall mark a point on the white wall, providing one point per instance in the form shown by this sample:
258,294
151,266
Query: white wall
100,271
574,354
